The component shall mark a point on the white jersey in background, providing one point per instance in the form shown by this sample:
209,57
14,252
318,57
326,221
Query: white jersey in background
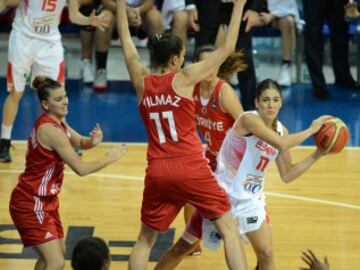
39,18
242,162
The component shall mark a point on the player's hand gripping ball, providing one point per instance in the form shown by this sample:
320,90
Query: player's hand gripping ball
332,137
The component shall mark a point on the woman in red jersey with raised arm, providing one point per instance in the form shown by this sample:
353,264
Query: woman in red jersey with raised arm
177,171
34,203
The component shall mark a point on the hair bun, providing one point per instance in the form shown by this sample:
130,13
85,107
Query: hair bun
39,82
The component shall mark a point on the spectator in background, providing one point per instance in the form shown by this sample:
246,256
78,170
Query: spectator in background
284,16
352,11
91,253
315,13
143,16
206,17
176,18
102,43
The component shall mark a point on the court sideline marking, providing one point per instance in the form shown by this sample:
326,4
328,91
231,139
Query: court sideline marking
273,194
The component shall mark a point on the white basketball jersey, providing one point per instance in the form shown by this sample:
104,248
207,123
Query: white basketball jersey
39,18
242,162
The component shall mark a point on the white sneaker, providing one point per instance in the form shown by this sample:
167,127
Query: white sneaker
87,71
285,76
100,83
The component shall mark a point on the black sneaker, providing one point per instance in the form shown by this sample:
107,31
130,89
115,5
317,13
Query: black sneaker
5,151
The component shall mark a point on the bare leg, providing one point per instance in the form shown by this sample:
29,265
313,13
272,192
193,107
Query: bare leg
10,107
189,210
52,255
103,38
261,241
286,26
152,22
86,41
234,253
180,25
139,256
175,254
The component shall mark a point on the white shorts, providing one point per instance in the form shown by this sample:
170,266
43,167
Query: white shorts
33,56
248,214
168,9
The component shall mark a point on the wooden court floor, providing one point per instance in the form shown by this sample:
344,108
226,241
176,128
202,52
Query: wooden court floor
321,211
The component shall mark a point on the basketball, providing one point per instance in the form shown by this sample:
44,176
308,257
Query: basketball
332,137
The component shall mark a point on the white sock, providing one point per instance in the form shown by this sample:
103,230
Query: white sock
6,132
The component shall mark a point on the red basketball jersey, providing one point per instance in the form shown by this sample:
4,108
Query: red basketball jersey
44,169
168,118
211,121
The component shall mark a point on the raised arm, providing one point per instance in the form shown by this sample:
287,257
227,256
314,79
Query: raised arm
55,139
76,17
135,67
289,171
250,123
198,71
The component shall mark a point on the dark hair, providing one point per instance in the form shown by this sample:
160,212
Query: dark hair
262,87
162,47
89,254
44,85
233,64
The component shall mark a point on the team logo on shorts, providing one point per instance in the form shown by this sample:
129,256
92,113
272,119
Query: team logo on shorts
251,220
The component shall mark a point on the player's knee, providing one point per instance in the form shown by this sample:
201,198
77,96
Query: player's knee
265,255
180,20
287,23
226,225
147,236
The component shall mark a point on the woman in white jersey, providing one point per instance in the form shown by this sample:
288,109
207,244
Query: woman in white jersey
255,139
35,48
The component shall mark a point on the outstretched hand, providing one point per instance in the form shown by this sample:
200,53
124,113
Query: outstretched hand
312,261
96,135
100,21
116,152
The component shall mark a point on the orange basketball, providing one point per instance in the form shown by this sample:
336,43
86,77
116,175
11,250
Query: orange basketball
333,136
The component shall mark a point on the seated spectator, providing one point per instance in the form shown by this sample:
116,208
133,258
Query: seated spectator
143,16
91,253
284,15
176,18
102,43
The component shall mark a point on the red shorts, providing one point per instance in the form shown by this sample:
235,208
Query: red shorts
212,160
169,184
36,219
